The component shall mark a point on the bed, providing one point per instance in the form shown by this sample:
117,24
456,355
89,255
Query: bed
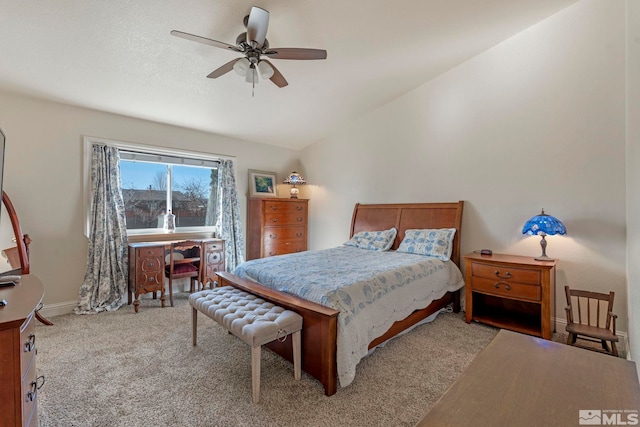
321,323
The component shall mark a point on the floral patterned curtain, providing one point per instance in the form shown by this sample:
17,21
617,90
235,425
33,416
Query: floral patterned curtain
229,225
105,281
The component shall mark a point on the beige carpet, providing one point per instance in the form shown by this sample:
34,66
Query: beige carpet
127,369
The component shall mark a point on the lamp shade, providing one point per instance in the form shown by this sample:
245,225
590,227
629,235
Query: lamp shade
294,179
544,224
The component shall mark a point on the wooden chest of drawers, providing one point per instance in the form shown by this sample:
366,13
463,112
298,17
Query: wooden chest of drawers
276,226
18,382
511,292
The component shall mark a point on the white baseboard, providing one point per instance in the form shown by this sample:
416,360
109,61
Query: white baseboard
50,310
67,307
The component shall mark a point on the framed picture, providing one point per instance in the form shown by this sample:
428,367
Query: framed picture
263,184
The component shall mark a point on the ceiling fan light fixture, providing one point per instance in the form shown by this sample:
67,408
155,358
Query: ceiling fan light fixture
266,71
241,66
252,75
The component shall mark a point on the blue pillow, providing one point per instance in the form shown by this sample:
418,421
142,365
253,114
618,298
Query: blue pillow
373,240
437,243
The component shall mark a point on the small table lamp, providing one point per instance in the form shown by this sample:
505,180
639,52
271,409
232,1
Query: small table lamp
294,179
543,225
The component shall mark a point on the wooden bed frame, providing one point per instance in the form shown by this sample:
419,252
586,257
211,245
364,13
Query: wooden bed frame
319,329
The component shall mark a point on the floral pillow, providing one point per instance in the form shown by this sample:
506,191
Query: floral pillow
373,240
437,243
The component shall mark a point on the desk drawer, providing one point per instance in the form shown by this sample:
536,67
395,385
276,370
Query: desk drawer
506,289
507,274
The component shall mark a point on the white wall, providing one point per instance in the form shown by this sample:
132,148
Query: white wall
535,122
633,174
43,176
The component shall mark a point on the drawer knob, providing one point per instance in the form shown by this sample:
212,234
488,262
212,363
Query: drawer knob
507,275
506,286
299,208
273,236
299,219
274,219
274,207
30,344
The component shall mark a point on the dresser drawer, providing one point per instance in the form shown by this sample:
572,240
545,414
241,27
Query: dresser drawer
506,289
507,274
29,390
27,343
285,218
286,208
284,248
273,235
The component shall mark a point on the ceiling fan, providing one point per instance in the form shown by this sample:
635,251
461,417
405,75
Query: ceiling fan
254,45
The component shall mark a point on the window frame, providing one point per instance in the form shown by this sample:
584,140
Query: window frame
149,233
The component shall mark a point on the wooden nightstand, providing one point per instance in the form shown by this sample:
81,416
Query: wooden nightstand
511,292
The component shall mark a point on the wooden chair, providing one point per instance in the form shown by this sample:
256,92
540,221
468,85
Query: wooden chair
184,261
590,317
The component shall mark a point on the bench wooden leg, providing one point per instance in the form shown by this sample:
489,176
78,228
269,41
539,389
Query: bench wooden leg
296,355
194,326
255,372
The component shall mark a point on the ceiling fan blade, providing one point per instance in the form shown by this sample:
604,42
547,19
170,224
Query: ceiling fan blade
223,70
257,26
277,77
295,53
205,40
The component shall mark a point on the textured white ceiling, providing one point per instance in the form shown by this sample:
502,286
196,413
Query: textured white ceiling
118,56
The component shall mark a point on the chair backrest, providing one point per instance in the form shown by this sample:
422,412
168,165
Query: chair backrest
590,308
182,254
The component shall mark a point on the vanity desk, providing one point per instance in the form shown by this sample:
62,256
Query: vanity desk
147,261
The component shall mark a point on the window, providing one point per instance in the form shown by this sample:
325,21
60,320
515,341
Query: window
155,181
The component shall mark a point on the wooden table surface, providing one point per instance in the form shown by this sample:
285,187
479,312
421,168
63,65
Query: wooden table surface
520,380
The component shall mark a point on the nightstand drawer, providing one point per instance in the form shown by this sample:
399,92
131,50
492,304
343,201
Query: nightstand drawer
507,274
506,289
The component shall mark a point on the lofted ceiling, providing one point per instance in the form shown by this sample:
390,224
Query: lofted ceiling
118,56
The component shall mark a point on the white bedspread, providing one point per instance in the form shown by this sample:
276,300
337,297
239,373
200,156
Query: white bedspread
371,289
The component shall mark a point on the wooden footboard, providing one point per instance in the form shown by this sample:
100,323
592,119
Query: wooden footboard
320,327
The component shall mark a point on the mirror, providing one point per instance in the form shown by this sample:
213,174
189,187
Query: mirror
14,246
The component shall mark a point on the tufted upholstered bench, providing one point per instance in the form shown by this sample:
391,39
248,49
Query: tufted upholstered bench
254,320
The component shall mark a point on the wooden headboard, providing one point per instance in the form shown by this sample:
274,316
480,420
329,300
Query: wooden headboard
404,216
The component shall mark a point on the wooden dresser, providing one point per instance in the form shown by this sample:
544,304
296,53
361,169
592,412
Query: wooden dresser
147,264
276,226
18,382
511,292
